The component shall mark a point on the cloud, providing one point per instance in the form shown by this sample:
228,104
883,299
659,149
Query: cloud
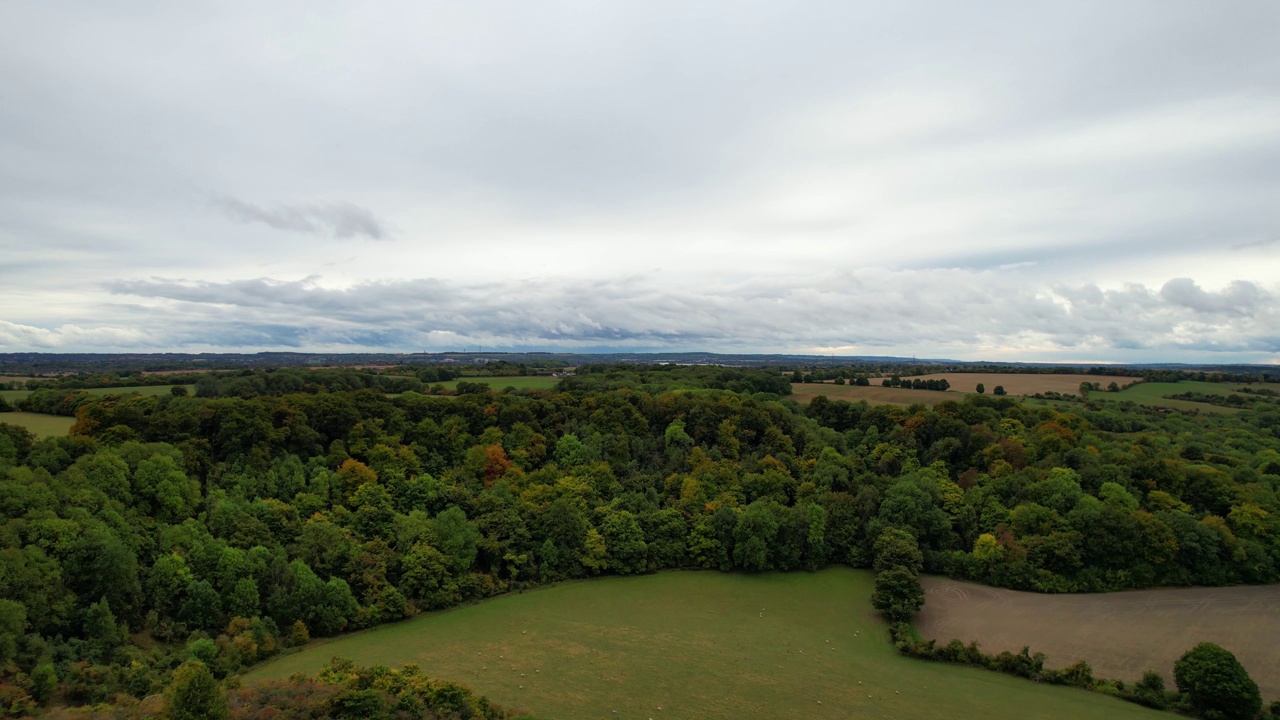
930,312
71,337
1239,298
339,219
720,175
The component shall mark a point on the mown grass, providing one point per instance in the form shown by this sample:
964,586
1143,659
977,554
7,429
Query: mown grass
40,425
16,395
697,645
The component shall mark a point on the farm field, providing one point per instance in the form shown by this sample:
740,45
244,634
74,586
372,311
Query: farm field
40,425
14,395
1023,383
529,382
696,645
1120,634
1153,394
874,394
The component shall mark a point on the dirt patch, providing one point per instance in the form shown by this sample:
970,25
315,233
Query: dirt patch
1120,634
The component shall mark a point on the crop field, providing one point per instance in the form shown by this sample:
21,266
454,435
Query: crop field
1023,383
1120,634
696,645
15,395
874,394
40,425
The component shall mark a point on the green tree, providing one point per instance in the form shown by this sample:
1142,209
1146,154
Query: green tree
195,695
898,594
624,541
754,535
897,548
981,388
1216,685
999,390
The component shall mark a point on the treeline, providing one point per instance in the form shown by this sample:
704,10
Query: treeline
664,378
1262,398
939,384
230,527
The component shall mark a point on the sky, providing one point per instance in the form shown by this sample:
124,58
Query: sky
1077,182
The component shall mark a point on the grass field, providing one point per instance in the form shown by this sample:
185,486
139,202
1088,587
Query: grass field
697,645
1121,635
38,424
15,395
531,382
874,394
1153,394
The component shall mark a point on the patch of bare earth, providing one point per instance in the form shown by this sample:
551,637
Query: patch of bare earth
1120,634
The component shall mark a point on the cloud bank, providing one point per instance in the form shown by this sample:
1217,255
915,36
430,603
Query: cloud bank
951,313
1087,180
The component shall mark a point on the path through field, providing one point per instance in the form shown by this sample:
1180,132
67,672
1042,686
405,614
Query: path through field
1121,634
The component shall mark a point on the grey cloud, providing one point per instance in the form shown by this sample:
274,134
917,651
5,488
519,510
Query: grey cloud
339,219
1240,298
945,310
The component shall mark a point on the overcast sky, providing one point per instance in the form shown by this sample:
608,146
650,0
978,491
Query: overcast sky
1084,181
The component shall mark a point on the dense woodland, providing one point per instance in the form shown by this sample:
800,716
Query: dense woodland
272,507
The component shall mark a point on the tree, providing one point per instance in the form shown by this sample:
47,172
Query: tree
999,390
1216,685
981,388
897,548
898,594
624,541
195,695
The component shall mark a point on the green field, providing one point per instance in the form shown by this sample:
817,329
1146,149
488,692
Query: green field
696,645
529,382
40,425
15,395
1152,393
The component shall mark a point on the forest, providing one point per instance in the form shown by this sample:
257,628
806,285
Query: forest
272,507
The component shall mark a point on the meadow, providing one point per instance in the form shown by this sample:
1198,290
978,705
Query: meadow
40,425
874,394
698,645
16,395
1120,634
519,382
1153,393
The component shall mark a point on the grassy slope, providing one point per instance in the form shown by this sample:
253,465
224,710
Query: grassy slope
15,395
698,646
40,425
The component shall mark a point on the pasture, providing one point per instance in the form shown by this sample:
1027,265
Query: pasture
696,645
873,394
1023,383
1120,634
521,382
1154,394
16,395
40,425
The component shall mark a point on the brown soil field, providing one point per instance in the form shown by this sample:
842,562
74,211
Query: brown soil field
1023,384
874,394
1120,634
